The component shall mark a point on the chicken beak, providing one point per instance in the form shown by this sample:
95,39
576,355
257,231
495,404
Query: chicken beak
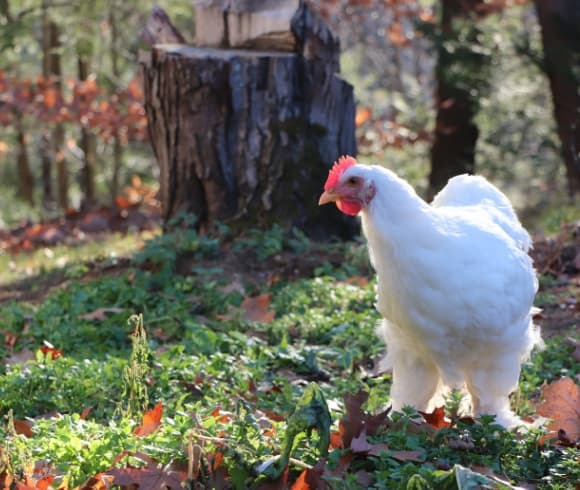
328,196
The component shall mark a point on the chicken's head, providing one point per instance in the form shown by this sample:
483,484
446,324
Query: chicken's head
348,186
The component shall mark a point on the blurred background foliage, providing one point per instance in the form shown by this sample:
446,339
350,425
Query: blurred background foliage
86,116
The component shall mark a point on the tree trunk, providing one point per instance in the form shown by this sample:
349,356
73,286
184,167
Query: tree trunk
88,145
461,76
58,139
117,145
248,136
25,178
48,62
560,23
46,166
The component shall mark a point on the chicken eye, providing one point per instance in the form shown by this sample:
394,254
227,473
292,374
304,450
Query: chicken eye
352,181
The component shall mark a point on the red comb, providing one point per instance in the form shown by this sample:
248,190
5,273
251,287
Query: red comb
337,170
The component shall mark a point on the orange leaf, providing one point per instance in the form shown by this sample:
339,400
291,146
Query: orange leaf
44,482
218,460
48,348
134,88
85,413
437,418
396,34
50,97
426,15
363,114
359,281
23,427
311,479
300,483
256,309
216,413
122,202
151,421
562,405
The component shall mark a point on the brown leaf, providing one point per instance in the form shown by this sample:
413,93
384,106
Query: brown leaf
85,413
23,427
148,478
360,444
356,420
562,405
256,309
151,421
20,357
437,418
404,456
100,314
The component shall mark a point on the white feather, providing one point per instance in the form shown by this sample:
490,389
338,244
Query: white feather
455,287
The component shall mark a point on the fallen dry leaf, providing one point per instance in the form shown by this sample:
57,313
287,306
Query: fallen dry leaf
437,418
20,357
355,421
47,348
151,421
360,444
85,413
44,482
562,405
153,477
23,427
256,308
98,482
404,456
359,281
100,314
311,478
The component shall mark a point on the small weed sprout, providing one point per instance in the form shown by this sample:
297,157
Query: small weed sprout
135,393
16,458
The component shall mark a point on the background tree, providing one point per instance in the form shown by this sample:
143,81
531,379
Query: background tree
560,22
462,79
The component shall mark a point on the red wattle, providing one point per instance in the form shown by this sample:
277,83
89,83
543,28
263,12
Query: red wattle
349,207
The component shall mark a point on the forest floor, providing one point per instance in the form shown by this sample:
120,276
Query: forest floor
250,344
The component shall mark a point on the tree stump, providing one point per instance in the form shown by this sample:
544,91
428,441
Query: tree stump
247,136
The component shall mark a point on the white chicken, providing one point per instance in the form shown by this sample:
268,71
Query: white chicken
455,285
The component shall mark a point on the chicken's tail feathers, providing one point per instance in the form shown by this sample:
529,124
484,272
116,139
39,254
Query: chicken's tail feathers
474,190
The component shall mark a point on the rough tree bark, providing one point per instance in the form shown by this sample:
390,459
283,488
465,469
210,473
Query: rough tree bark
461,75
25,178
53,69
88,145
247,136
48,61
560,24
117,144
